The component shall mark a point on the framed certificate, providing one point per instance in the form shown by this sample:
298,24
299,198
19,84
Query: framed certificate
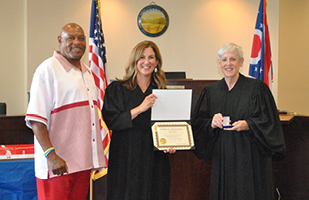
153,20
170,117
177,135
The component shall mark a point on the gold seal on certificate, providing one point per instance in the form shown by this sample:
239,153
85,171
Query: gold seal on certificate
177,135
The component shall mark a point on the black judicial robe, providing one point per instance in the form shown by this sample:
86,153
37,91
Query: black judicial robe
135,170
241,161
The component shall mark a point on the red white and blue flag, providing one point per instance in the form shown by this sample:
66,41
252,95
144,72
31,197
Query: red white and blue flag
97,64
260,63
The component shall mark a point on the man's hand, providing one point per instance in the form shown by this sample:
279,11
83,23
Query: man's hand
56,164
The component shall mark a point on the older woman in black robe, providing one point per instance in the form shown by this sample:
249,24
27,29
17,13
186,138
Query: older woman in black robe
242,153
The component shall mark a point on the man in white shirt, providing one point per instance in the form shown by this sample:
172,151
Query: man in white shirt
63,115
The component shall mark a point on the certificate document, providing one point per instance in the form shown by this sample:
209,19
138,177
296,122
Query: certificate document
170,115
172,134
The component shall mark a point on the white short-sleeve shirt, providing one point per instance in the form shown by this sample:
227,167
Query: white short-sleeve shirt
64,98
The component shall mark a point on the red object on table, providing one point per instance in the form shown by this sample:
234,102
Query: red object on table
18,151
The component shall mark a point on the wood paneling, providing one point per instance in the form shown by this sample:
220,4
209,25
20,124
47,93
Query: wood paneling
292,172
13,130
190,176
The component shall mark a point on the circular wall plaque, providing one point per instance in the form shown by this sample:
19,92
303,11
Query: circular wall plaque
153,20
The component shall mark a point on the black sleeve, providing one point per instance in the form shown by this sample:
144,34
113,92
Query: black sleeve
265,124
203,133
115,114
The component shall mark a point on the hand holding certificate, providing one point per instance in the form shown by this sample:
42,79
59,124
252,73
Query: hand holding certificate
170,116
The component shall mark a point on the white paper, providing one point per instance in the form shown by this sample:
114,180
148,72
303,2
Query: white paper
172,105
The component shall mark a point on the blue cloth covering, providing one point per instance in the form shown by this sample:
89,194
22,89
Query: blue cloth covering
17,180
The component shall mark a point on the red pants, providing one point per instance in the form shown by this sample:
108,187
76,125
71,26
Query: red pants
67,187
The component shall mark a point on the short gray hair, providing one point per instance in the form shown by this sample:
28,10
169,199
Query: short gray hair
230,47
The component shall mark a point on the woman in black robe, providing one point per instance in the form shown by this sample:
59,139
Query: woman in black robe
242,154
135,170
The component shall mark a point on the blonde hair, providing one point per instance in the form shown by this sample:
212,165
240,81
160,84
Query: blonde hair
157,78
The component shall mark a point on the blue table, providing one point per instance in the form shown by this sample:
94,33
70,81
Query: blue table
17,180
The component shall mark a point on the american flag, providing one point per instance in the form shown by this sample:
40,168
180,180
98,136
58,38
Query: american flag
260,63
97,62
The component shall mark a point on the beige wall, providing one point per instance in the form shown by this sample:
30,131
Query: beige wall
13,74
293,90
197,30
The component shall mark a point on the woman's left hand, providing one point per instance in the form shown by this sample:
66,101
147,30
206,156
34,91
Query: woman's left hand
240,125
170,151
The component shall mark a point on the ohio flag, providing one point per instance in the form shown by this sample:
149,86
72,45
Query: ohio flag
260,63
97,62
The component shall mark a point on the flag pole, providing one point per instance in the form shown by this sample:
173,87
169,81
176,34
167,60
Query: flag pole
91,189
